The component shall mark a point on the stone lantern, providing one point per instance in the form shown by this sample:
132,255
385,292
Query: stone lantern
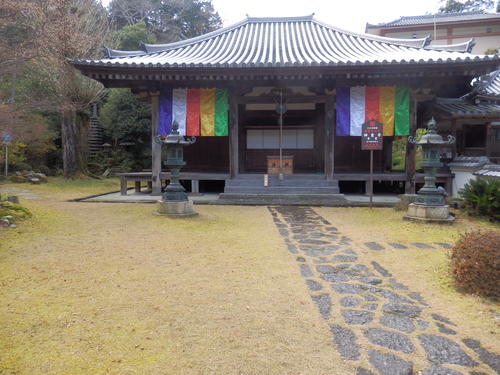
174,200
430,204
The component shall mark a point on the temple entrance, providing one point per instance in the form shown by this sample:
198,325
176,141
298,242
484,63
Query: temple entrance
302,138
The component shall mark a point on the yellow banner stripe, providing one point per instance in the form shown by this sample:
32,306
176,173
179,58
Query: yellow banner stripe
387,94
207,112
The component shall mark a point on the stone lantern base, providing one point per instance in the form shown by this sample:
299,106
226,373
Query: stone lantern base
176,209
429,214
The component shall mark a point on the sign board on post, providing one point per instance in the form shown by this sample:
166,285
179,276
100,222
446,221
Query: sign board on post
372,139
6,137
372,135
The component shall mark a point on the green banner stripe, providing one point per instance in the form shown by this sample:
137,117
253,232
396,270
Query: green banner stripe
402,111
221,115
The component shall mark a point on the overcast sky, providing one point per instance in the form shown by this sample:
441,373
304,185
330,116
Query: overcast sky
351,15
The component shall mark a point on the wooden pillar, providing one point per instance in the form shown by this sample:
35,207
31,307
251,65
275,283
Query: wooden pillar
233,135
195,186
155,147
329,136
454,133
410,163
490,139
387,155
330,142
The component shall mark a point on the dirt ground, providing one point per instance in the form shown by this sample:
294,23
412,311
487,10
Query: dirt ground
90,288
96,288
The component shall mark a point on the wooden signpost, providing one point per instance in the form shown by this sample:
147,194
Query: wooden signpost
372,139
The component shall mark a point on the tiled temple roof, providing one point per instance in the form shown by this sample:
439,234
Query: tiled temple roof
488,85
438,18
282,42
464,107
468,162
489,171
456,47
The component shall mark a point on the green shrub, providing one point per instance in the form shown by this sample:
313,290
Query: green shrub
45,170
15,210
475,263
16,155
22,166
481,197
117,159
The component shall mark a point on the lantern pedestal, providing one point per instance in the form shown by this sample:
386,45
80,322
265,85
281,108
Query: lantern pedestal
429,214
176,209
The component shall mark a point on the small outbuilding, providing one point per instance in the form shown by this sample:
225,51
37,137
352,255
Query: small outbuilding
474,119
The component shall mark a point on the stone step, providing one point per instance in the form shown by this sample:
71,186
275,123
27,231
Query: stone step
286,182
260,176
298,184
281,189
333,200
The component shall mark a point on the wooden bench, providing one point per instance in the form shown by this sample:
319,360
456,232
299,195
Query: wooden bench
194,177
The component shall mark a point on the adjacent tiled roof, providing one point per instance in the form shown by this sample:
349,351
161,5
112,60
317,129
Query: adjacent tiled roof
489,170
282,42
438,18
457,47
469,161
108,52
488,85
462,106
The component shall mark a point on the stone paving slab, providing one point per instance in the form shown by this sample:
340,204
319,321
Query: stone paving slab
363,300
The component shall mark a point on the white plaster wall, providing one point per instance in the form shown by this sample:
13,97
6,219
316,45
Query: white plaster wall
485,42
461,178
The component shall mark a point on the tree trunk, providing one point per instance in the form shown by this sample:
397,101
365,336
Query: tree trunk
82,121
69,137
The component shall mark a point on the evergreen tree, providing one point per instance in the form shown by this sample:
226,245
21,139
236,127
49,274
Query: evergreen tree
458,6
129,37
168,20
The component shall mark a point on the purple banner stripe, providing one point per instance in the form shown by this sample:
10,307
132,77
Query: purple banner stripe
165,120
343,111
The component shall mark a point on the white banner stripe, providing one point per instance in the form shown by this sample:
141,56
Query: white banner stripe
179,108
357,110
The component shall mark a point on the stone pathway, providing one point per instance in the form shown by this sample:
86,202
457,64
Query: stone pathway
22,193
377,323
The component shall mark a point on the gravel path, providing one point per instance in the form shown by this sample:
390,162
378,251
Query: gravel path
377,323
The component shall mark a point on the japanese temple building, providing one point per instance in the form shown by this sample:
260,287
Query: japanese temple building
305,64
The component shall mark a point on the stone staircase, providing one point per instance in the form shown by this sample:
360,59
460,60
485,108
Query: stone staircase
95,136
296,189
291,184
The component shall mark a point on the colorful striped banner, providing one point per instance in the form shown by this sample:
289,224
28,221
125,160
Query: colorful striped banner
165,115
386,104
199,112
193,112
179,109
402,111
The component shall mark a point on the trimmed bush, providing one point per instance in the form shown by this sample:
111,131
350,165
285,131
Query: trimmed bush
475,263
481,197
